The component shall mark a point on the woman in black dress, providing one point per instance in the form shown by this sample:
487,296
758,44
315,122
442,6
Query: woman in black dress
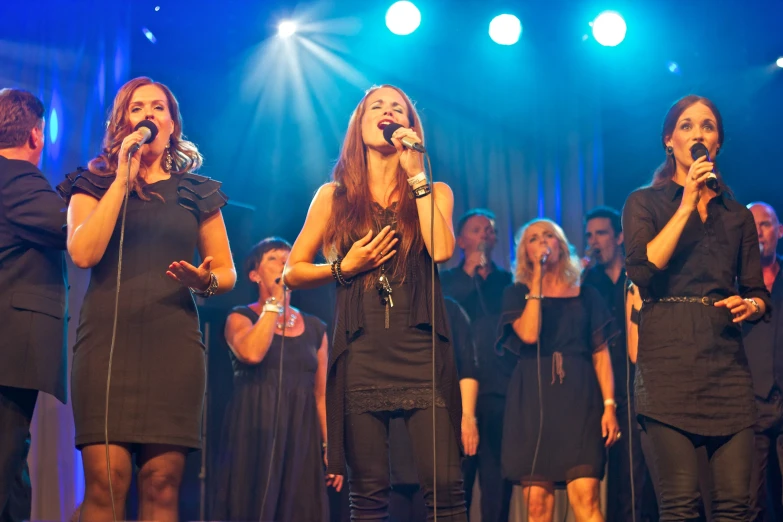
573,326
693,253
254,333
158,363
373,225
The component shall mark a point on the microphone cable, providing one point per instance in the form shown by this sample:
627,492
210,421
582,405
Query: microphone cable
626,289
114,339
540,391
432,318
275,425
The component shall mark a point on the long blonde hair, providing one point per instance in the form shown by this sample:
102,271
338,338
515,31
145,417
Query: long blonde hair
185,156
568,269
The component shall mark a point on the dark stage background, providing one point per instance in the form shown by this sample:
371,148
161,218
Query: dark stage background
551,126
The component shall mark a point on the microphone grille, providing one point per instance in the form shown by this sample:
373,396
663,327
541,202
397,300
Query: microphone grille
389,130
698,150
150,126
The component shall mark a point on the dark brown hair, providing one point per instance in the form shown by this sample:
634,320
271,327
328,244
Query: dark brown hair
184,154
20,113
666,170
262,247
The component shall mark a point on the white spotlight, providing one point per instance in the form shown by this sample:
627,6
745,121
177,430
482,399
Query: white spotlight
286,29
505,29
609,28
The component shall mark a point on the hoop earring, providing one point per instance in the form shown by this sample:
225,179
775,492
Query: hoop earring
167,161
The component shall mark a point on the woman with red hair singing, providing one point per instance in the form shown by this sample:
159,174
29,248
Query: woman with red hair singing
373,224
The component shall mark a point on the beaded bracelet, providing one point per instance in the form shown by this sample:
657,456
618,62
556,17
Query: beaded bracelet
337,273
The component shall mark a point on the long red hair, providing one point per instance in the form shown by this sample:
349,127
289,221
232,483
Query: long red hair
352,213
184,154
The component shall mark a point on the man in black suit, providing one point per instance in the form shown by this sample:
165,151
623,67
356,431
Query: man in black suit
32,292
764,349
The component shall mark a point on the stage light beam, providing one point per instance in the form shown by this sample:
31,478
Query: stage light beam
779,62
286,28
403,18
609,28
505,29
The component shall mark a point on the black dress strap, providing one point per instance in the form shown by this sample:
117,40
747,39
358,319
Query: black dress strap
82,180
245,311
200,194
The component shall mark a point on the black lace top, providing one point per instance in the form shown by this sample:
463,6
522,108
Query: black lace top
374,368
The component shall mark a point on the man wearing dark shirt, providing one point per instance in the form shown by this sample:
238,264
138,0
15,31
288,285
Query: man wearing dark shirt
477,285
605,271
33,296
764,349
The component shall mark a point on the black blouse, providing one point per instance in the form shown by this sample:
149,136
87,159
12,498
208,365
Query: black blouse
691,370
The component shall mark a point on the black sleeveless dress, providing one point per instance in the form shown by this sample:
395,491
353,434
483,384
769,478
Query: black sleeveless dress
297,491
572,447
159,367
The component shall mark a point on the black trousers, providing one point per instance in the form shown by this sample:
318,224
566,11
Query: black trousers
367,456
621,455
765,502
730,457
16,414
495,490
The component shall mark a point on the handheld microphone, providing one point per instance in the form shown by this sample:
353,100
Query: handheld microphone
761,249
545,256
407,142
150,132
482,247
697,151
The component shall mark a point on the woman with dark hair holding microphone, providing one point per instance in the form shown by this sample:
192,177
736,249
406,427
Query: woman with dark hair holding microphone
693,253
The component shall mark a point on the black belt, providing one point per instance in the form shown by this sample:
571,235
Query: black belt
706,301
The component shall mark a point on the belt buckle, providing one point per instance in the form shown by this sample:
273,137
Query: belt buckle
705,301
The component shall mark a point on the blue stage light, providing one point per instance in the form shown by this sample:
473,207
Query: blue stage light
149,35
54,126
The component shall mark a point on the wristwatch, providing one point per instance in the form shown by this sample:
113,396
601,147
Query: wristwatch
754,304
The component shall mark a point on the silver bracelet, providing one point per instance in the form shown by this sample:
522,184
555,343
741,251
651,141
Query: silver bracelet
271,305
530,296
273,308
211,289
